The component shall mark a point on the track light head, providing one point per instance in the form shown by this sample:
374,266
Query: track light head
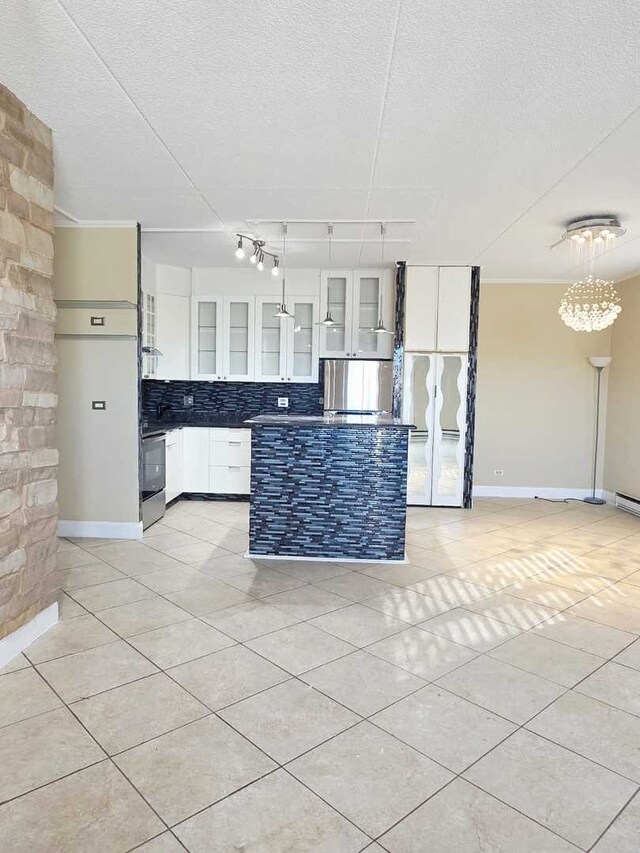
275,269
256,253
260,264
240,250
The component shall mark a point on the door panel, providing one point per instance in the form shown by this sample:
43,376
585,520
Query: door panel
302,340
336,299
418,406
434,399
270,341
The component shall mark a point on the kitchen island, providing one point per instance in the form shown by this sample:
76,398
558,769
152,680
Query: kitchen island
330,487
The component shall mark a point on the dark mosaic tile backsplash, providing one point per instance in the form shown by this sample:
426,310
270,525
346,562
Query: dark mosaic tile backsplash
227,401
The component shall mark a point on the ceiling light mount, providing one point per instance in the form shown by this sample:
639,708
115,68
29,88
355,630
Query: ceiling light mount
593,228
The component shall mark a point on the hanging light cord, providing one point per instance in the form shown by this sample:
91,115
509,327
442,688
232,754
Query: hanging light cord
284,262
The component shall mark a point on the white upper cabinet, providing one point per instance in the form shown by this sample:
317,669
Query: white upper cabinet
302,340
287,348
172,336
336,299
437,309
454,307
271,341
372,300
222,335
149,359
207,331
356,300
421,309
238,338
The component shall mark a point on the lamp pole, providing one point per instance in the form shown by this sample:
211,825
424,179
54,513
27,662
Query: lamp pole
599,362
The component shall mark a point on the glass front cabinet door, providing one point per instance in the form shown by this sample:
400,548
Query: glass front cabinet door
206,334
271,341
302,340
355,301
336,301
239,337
372,301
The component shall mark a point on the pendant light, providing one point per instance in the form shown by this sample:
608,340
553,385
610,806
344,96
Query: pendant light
380,329
282,308
328,320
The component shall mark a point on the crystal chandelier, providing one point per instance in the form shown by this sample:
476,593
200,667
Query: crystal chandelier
590,305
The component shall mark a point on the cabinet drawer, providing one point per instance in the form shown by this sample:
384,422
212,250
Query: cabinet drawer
230,453
223,434
97,321
230,479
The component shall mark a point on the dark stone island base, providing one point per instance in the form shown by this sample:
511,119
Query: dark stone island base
332,487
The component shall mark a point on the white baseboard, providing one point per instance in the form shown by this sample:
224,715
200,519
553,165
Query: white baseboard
101,529
536,492
17,642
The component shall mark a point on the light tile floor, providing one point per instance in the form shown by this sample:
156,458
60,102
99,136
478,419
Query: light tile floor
483,698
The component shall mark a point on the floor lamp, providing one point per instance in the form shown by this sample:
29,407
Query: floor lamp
599,362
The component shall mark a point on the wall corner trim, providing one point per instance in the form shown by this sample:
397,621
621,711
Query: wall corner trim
101,529
20,639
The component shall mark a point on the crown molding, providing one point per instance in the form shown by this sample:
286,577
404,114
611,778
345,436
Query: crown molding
98,223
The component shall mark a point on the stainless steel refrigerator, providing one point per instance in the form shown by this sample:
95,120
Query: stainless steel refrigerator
358,386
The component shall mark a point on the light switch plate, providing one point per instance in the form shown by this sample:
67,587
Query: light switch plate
101,405
283,402
187,401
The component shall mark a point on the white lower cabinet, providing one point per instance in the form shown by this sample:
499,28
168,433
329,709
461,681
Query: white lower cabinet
196,459
174,464
230,461
217,460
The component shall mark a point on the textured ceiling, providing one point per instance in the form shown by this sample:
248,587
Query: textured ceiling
488,124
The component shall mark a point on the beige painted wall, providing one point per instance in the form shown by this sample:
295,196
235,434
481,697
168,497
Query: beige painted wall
536,390
98,263
98,473
622,459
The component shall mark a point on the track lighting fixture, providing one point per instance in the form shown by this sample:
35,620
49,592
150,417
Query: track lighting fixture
259,253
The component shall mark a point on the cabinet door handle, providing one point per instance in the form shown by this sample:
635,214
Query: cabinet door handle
288,379
234,467
235,443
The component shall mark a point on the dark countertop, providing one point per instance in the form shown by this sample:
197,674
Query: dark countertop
155,427
378,421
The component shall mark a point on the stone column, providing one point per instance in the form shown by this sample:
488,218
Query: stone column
28,458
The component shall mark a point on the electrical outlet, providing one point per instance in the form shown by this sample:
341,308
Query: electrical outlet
499,472
283,402
187,401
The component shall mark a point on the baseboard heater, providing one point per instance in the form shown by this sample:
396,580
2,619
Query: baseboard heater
628,503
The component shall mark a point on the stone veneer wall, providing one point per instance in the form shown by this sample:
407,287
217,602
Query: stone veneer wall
28,459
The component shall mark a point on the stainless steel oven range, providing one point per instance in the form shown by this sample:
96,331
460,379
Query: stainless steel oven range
153,478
